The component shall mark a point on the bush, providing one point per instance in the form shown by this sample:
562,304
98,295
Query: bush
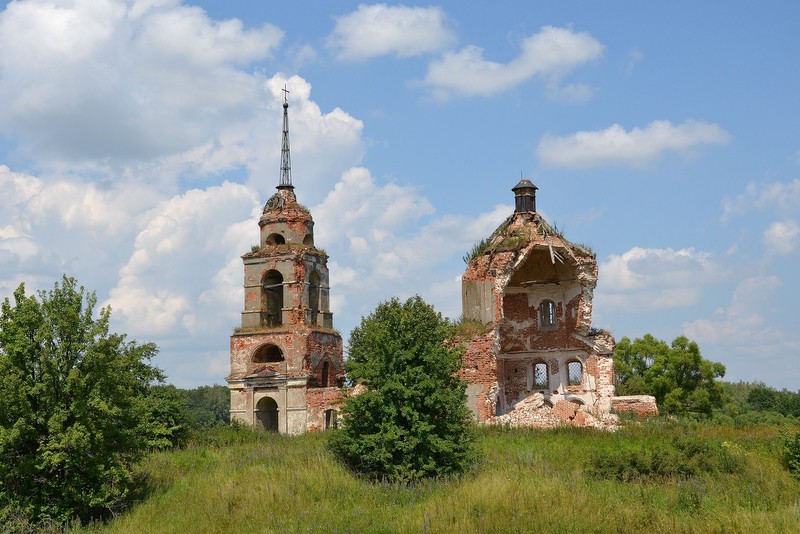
681,457
790,454
412,421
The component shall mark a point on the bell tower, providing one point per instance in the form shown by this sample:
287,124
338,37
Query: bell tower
286,359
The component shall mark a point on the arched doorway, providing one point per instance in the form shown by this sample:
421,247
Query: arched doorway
267,414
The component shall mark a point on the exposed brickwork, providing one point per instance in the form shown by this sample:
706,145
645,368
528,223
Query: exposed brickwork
639,405
287,323
480,371
525,265
320,400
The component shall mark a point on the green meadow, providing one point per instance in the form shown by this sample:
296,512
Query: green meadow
658,476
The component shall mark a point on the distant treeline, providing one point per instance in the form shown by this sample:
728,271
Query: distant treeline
755,402
193,409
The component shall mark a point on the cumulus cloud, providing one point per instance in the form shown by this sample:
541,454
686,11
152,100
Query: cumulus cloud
550,54
741,321
782,237
385,241
615,146
379,29
648,279
186,244
111,79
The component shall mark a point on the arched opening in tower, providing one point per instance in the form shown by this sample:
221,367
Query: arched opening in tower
271,298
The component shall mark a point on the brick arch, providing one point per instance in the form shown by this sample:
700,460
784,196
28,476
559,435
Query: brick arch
267,353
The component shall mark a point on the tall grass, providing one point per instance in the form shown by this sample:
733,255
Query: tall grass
528,481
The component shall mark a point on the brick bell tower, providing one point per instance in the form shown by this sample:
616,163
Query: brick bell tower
287,366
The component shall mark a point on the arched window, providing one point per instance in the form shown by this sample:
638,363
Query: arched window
308,240
267,414
326,368
540,376
574,373
276,239
547,313
313,296
267,354
271,298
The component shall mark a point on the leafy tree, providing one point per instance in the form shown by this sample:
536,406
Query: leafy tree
77,407
208,406
412,421
762,398
677,375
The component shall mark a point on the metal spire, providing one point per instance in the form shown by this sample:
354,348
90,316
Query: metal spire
286,162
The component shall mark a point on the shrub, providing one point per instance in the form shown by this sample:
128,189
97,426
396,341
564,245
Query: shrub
412,421
680,457
790,454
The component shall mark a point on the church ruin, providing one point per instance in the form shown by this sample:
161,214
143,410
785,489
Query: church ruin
533,360
538,361
287,367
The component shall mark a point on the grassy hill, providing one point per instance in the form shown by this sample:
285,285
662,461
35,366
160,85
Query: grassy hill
667,477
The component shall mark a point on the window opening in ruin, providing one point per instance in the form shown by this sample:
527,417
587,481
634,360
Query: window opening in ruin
276,239
325,373
330,419
540,376
308,240
547,313
313,296
574,373
271,298
267,414
268,354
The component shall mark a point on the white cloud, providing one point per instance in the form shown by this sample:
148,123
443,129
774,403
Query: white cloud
742,321
647,279
107,79
550,54
383,243
379,29
782,237
186,244
783,197
635,56
616,147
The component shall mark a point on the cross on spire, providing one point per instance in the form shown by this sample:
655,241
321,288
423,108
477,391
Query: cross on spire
286,162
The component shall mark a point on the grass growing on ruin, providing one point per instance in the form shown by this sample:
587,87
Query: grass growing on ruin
528,481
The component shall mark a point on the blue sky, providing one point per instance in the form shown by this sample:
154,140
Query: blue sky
139,140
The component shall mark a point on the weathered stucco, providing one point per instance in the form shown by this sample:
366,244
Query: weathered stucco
534,289
286,365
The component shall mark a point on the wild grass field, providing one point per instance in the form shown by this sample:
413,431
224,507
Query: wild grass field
653,477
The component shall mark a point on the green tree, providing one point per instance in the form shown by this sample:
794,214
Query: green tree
208,406
677,375
76,409
412,420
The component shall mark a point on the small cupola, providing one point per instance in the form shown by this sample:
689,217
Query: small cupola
524,196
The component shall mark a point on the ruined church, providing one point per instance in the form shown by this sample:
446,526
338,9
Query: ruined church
538,361
534,360
287,367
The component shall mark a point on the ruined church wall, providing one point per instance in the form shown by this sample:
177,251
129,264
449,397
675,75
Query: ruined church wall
479,370
319,401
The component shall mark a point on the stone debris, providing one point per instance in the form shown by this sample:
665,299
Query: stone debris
533,411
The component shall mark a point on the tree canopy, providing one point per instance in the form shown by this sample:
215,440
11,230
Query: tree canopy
77,406
677,375
411,421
